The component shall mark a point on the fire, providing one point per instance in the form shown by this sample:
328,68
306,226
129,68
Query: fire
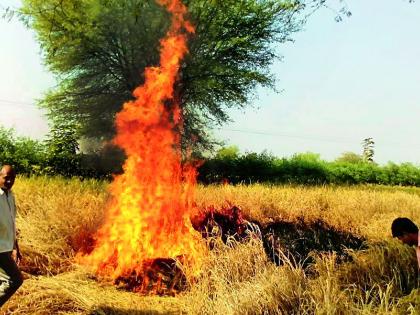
149,214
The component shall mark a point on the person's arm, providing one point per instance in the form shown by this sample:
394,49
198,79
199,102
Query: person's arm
16,255
418,251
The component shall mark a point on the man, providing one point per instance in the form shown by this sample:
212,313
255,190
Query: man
407,232
10,276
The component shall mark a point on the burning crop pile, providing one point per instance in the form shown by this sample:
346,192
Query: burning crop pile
147,226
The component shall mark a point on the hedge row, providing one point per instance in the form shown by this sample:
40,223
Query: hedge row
55,156
304,169
58,156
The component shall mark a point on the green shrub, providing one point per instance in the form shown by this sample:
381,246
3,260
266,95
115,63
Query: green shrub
59,155
27,155
304,168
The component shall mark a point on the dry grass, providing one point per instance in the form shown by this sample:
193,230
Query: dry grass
242,281
56,215
74,293
364,210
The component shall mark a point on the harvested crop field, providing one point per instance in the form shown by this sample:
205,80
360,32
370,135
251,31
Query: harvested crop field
316,224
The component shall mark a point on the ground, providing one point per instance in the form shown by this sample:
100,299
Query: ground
57,215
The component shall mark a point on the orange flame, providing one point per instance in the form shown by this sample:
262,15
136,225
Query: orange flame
152,201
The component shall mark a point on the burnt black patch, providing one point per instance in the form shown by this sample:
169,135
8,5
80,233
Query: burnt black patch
160,276
295,241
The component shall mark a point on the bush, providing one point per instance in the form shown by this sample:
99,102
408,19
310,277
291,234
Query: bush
59,155
304,168
27,156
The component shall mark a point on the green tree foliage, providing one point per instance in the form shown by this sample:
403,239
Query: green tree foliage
230,152
304,168
62,140
229,165
61,151
98,50
350,157
57,155
368,149
26,155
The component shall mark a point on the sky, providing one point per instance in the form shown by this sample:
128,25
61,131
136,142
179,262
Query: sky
339,83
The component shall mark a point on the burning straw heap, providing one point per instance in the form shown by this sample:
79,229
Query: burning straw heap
147,224
147,238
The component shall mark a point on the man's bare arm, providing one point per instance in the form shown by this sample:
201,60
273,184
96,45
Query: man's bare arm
16,255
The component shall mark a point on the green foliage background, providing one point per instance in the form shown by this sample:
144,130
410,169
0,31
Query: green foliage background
59,155
304,168
98,50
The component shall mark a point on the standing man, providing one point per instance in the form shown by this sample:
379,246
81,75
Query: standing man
10,276
407,232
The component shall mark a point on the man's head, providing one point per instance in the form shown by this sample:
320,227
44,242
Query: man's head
7,177
405,230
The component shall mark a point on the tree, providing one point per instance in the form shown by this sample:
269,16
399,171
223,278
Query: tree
98,50
350,157
230,152
26,155
368,149
62,149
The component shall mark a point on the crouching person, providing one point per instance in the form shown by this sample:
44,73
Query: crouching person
407,232
10,275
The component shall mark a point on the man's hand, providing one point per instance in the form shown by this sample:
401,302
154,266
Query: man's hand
16,256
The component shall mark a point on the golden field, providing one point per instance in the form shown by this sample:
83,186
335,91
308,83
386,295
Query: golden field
56,215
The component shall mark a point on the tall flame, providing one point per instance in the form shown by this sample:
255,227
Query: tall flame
148,216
